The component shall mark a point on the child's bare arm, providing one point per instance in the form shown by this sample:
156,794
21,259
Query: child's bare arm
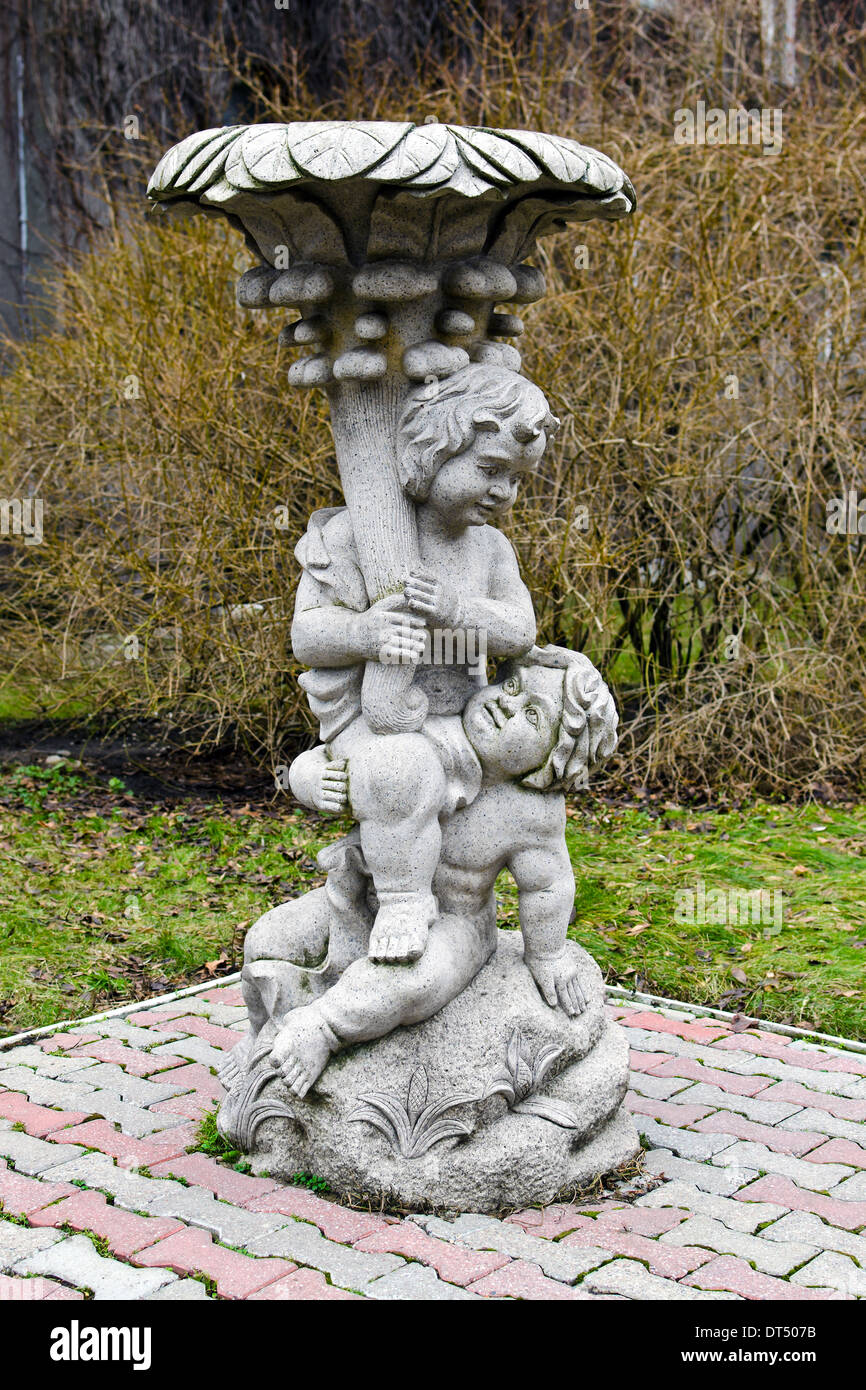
508,621
545,883
326,634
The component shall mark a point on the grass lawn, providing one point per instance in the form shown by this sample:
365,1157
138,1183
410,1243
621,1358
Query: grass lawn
106,897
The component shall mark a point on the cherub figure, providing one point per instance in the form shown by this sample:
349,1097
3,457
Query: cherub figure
500,771
462,452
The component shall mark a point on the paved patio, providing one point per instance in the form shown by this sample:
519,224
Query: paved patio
754,1184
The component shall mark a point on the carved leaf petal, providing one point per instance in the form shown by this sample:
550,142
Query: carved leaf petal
414,155
439,1107
258,1113
511,162
564,160
391,1118
445,1129
342,151
169,172
543,1062
417,1097
500,1086
547,1109
523,1080
512,1055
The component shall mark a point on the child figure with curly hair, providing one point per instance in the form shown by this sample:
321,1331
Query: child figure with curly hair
463,448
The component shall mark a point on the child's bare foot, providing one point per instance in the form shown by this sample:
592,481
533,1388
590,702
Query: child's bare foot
301,1049
399,932
233,1067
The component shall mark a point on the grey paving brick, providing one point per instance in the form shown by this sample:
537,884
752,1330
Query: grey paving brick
415,1283
229,1224
658,1087
831,1270
634,1280
228,1014
764,1112
182,1291
817,1177
565,1263
107,1076
305,1244
132,1034
76,1261
853,1189
702,1175
739,1216
46,1063
823,1123
17,1242
44,1090
193,1049
684,1142
773,1257
32,1156
805,1226
133,1119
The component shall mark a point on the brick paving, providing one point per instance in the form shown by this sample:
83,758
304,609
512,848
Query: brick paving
753,1187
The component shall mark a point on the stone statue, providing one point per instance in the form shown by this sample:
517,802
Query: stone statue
397,242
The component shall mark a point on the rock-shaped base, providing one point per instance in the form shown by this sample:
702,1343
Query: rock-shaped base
496,1101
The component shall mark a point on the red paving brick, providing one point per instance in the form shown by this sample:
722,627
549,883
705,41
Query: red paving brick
124,1231
64,1042
210,1033
519,1279
152,1018
38,1290
555,1221
454,1265
102,1136
191,1106
198,1079
132,1060
647,1061
781,1141
690,1070
224,1182
20,1195
667,1110
731,1275
795,1094
642,1221
303,1284
851,1216
839,1151
336,1222
195,1252
668,1261
231,994
37,1119
692,1032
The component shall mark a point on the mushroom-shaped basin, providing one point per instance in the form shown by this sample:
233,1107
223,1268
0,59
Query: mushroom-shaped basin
356,191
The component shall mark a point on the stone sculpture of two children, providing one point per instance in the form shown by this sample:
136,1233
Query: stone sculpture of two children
408,915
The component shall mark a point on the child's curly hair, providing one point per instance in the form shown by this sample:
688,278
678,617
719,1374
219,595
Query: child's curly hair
587,729
439,421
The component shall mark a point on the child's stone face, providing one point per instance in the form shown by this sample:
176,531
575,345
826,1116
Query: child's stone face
513,725
481,483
